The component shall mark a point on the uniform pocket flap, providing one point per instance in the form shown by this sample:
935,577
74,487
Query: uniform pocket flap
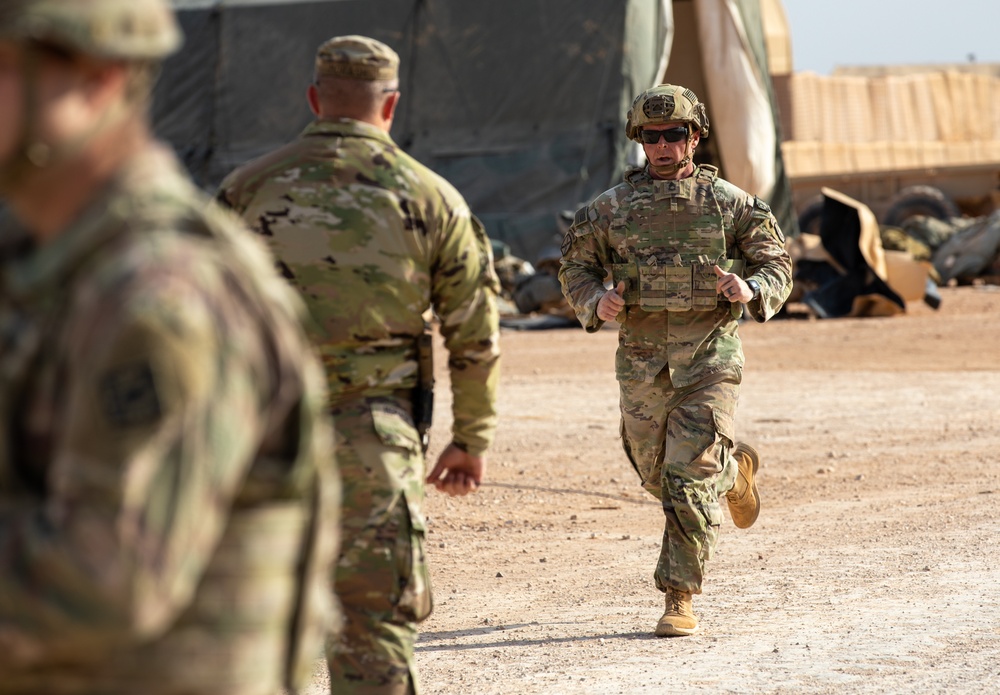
724,425
394,425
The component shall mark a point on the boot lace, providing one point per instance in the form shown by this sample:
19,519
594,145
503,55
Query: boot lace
676,601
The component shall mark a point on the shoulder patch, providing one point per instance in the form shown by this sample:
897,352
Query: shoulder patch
128,396
567,243
581,215
761,205
776,230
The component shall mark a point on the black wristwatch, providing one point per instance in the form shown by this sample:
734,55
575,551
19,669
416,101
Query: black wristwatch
755,286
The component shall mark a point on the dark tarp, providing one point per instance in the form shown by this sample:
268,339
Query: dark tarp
842,230
519,104
972,251
856,279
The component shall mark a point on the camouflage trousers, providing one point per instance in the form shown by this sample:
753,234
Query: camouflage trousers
680,442
381,578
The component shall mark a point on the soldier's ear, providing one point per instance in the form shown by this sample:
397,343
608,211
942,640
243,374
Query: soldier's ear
389,106
312,95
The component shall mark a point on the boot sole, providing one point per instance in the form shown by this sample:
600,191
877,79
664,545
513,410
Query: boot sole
668,630
755,464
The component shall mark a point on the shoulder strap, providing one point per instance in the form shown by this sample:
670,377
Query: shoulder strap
707,173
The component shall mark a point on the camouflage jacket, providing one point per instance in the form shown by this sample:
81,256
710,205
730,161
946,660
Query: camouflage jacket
373,239
165,458
691,344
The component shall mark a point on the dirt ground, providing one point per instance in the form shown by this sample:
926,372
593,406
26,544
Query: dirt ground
872,568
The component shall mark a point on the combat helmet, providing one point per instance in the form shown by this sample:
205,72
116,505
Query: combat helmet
665,103
131,30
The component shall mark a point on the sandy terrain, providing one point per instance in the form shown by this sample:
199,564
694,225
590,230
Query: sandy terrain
872,569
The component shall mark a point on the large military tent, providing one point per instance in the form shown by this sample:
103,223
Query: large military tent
519,103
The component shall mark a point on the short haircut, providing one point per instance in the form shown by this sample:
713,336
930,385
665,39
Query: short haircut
349,97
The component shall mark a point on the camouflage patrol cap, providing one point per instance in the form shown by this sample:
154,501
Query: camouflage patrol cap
665,103
112,29
357,57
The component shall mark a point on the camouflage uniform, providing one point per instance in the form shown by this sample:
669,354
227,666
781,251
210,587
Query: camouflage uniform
373,240
679,360
168,500
163,431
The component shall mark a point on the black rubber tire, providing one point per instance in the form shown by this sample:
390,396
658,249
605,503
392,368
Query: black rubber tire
919,200
811,215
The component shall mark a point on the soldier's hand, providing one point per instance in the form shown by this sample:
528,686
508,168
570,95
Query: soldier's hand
732,286
611,303
457,472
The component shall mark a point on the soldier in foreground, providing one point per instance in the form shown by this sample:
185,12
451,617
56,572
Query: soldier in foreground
167,493
686,250
373,240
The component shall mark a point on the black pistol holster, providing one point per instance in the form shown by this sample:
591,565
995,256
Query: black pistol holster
423,395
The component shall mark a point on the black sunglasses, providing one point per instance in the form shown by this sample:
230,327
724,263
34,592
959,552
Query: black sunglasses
651,137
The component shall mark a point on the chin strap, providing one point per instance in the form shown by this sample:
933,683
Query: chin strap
668,171
672,169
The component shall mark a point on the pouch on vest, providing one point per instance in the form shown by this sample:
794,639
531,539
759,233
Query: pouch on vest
676,287
656,287
704,296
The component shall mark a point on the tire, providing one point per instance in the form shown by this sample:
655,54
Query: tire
919,200
811,216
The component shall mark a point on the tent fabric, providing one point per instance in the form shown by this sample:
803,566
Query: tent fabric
747,137
746,17
720,52
519,104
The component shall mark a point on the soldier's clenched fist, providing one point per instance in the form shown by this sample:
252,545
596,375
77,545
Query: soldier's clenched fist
611,303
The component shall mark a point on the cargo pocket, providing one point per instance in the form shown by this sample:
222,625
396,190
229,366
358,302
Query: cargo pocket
628,449
712,514
725,441
724,428
394,424
415,598
649,479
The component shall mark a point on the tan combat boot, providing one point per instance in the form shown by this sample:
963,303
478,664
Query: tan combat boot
679,619
744,500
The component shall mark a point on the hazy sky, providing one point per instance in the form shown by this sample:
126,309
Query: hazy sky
889,32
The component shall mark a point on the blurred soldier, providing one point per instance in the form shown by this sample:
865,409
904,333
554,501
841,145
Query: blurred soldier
686,250
373,240
164,445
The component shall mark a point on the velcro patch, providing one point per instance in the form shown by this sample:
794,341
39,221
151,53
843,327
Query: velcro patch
567,243
128,396
776,230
